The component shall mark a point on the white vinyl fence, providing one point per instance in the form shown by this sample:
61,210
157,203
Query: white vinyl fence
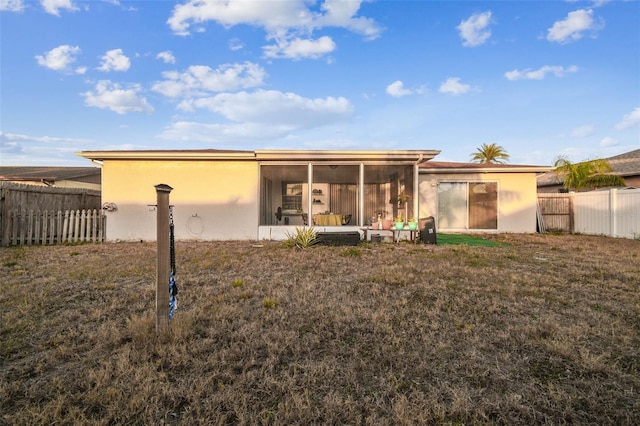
614,212
50,227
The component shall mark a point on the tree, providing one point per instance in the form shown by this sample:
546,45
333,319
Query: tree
590,174
491,153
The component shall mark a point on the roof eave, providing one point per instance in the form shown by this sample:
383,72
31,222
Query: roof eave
534,169
166,155
412,156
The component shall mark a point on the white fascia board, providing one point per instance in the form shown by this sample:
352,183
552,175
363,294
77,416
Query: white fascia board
167,155
411,156
516,169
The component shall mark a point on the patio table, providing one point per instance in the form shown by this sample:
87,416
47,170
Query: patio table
328,219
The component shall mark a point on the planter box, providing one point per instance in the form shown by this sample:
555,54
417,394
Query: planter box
339,238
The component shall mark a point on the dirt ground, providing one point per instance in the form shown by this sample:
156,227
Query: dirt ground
542,330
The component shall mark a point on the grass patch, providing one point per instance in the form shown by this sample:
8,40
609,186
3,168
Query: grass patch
470,240
531,332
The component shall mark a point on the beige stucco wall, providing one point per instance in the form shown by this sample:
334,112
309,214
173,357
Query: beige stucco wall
213,200
516,197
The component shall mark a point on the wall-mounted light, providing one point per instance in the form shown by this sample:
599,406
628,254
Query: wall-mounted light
109,207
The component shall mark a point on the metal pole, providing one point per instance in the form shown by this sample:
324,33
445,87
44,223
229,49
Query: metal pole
163,257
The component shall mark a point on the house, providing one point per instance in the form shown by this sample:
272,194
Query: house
266,194
626,165
62,177
473,197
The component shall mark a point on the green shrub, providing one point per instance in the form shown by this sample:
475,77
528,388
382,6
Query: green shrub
303,238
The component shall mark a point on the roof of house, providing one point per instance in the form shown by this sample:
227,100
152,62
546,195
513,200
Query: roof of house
416,156
627,164
46,174
452,167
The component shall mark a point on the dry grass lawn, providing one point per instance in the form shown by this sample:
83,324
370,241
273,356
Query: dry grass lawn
545,330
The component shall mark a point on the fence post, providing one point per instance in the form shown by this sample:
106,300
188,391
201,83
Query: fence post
83,226
613,209
59,227
30,229
163,257
76,227
65,227
45,227
572,220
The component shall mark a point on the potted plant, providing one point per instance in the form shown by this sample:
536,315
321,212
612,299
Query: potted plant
413,224
399,223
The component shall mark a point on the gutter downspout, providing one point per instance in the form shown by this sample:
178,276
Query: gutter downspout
416,189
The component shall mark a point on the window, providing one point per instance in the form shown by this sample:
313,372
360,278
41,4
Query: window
468,205
292,196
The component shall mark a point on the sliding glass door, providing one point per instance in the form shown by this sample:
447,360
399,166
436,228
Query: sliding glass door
467,205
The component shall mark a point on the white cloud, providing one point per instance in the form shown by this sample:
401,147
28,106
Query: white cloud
222,134
11,5
291,23
630,120
583,131
59,58
235,44
114,60
201,79
167,57
54,6
274,16
261,115
111,96
573,26
397,89
608,141
453,86
300,48
24,150
271,107
342,14
474,31
540,73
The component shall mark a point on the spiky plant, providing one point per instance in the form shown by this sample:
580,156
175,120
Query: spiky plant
303,238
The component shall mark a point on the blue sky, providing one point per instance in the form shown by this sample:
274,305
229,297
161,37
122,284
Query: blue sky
541,78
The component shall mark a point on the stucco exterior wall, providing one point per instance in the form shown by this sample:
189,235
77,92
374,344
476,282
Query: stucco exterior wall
213,200
516,197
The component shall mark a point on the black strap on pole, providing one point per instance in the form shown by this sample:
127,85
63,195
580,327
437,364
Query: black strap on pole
173,287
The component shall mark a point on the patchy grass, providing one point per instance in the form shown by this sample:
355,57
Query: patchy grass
543,329
470,240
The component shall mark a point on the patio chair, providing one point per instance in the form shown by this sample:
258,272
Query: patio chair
305,219
279,214
347,219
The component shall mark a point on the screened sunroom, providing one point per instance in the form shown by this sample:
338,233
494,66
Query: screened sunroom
334,190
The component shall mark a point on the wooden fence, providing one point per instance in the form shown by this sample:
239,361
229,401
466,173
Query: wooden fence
613,212
50,227
18,199
555,212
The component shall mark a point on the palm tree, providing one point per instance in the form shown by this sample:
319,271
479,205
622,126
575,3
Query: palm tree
491,153
586,174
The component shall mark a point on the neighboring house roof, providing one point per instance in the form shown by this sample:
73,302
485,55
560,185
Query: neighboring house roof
451,167
625,165
50,175
416,156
